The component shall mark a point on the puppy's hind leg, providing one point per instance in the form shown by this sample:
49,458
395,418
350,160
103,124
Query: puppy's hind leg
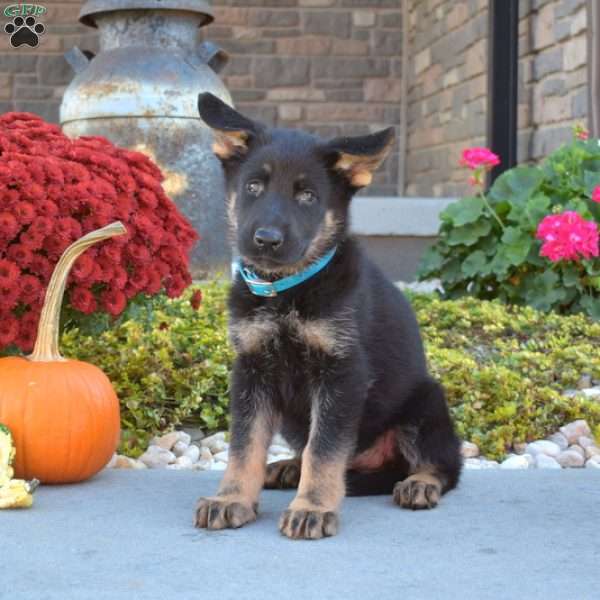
432,451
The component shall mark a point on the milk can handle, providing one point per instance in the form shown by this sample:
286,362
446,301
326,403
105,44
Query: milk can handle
216,58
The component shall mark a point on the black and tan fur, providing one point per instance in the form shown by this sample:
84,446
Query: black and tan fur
335,364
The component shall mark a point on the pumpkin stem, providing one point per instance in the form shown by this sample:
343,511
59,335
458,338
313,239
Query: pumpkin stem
46,344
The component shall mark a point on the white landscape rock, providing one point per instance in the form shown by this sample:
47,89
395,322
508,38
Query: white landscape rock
515,461
593,463
593,393
192,452
543,461
577,448
584,441
591,451
215,443
572,431
185,462
184,437
166,441
218,466
276,449
489,464
570,458
221,456
543,447
469,449
112,462
278,440
156,457
179,448
472,463
559,439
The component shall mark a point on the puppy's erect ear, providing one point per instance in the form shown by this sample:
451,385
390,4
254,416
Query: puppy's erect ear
232,130
357,158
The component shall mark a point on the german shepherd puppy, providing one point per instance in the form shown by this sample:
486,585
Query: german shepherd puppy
335,362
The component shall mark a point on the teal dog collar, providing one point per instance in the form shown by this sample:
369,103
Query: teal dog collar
270,289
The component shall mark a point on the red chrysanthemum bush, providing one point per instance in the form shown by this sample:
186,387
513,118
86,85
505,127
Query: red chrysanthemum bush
53,190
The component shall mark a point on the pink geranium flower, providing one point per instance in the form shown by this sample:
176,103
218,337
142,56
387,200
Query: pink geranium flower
477,157
596,194
568,236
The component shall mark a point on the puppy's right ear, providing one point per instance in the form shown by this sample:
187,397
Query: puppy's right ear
232,130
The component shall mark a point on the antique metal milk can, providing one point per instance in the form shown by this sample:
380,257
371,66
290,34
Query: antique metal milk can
140,91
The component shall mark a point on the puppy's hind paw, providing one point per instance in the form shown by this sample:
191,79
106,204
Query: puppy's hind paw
417,492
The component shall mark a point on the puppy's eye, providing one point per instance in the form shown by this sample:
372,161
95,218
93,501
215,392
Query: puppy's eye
255,187
306,197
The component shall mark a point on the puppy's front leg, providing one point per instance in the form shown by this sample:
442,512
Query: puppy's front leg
313,513
236,502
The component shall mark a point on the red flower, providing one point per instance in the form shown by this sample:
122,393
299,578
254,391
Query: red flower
24,212
83,300
53,190
596,194
9,329
196,299
31,289
114,301
41,225
20,254
9,296
9,273
8,225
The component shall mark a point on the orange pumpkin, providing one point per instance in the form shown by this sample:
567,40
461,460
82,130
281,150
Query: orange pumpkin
64,414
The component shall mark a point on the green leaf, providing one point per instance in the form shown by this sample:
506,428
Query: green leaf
544,291
431,262
571,277
474,264
591,179
517,184
591,306
469,234
466,210
536,208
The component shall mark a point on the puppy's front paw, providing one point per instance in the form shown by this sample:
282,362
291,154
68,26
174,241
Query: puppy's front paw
308,524
222,513
417,493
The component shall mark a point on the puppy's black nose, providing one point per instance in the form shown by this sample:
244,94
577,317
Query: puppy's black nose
268,237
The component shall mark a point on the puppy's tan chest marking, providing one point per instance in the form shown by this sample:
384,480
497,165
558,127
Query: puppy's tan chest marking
250,335
331,336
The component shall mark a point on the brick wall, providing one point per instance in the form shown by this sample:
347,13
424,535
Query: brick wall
334,66
447,85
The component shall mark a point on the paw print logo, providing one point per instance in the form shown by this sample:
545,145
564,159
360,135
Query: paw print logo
24,31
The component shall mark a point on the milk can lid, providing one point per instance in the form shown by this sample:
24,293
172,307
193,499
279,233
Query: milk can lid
94,7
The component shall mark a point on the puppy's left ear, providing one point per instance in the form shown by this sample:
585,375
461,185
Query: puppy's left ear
232,130
357,158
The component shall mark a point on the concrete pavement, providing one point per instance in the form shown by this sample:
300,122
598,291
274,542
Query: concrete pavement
128,534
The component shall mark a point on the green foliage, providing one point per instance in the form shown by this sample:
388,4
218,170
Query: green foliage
169,364
475,256
505,368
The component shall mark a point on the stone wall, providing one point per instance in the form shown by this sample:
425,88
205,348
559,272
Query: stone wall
447,85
